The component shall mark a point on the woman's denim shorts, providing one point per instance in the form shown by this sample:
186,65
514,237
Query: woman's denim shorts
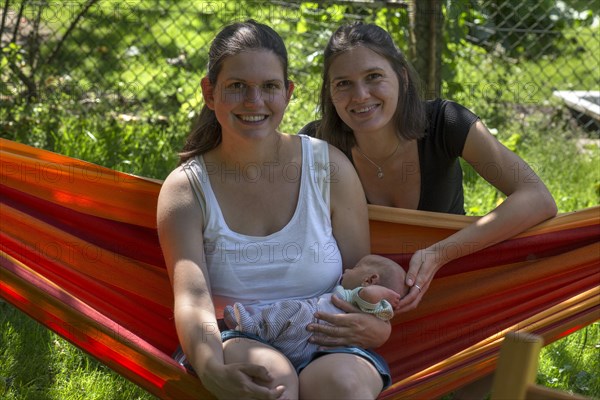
375,359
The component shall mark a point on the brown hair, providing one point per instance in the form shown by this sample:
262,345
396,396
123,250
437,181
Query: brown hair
231,40
410,114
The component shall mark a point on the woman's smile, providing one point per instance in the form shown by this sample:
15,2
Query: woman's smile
364,90
252,119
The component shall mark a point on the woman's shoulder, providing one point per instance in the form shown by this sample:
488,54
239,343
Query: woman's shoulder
178,214
176,186
334,156
448,117
447,109
448,124
338,157
176,176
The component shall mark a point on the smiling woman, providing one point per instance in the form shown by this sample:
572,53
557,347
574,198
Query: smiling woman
407,151
213,226
365,89
245,98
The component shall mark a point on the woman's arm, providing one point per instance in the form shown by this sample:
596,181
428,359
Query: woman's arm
180,221
350,220
349,213
528,203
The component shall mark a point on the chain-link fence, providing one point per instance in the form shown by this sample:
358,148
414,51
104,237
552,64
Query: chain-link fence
542,53
146,57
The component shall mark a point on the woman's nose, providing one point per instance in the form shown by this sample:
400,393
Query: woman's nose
360,92
253,94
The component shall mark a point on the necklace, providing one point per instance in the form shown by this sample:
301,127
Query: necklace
379,167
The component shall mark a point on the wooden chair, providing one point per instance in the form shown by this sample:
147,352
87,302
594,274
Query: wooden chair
517,369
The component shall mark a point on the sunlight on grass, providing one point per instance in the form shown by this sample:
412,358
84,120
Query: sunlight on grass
573,362
37,364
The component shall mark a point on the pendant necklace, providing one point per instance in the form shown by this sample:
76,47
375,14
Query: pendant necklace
379,168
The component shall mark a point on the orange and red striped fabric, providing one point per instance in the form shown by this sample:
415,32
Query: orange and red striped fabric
80,253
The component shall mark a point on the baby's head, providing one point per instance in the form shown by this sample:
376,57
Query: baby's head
376,270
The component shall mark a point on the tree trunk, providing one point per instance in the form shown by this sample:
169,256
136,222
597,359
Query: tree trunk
426,43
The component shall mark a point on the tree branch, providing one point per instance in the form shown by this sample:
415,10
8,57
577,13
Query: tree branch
34,45
27,81
18,22
4,14
83,11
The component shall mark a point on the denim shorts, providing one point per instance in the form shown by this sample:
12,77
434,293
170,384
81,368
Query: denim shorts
375,359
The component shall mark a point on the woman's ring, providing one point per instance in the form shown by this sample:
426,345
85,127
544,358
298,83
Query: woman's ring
418,287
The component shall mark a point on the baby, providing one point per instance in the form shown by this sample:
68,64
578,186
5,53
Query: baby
375,285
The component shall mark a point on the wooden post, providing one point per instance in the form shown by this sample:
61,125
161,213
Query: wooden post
517,366
517,369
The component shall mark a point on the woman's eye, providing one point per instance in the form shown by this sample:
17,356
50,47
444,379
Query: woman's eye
271,86
235,86
341,84
374,75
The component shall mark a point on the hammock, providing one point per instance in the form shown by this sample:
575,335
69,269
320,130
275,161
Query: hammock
80,254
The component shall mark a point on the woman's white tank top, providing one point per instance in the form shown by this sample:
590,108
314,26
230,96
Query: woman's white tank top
302,260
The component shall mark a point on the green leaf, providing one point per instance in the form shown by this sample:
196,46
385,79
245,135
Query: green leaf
301,26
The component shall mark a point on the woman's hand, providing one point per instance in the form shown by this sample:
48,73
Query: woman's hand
421,270
352,329
241,381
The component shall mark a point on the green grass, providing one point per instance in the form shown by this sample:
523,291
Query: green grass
513,98
572,176
573,363
36,364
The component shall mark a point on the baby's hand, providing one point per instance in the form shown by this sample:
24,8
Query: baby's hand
375,293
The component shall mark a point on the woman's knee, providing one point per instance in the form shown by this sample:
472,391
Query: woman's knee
340,376
254,352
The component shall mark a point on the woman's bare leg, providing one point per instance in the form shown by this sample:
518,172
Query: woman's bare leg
340,376
240,350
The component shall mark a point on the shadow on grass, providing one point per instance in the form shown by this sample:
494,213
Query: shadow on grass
25,365
572,363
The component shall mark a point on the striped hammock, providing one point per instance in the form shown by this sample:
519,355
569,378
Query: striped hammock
80,254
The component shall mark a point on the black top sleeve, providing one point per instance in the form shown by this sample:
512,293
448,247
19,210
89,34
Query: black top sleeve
439,152
310,129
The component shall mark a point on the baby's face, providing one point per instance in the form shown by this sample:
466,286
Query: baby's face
354,277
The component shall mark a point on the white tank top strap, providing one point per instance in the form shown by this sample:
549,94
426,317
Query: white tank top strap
321,168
